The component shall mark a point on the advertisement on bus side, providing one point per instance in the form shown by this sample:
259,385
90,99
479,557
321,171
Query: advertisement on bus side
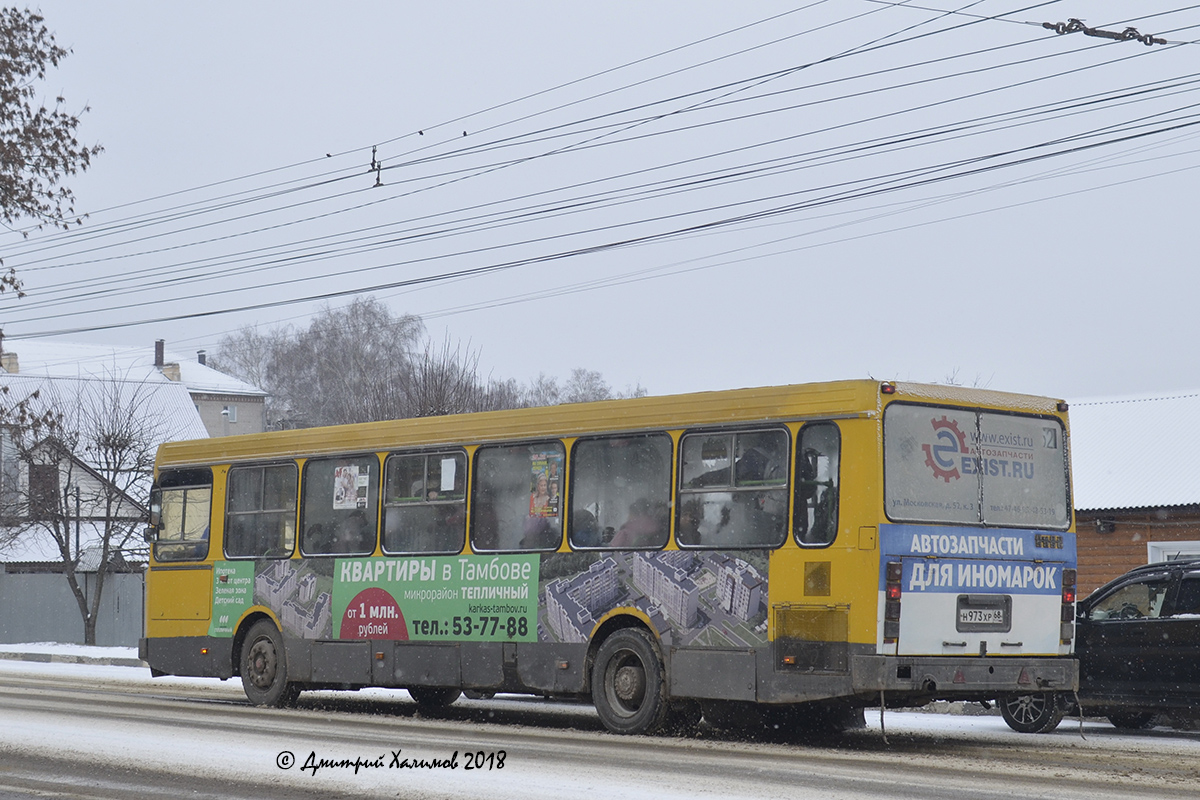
691,598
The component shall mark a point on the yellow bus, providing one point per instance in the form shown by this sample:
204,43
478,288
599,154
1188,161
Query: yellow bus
805,551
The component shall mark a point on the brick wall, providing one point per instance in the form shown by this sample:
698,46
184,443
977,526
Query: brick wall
1104,556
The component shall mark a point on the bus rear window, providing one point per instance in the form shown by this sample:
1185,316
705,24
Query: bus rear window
974,467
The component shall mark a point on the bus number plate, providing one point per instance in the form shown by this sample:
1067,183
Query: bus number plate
984,612
981,616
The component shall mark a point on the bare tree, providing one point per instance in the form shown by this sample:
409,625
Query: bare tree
501,394
445,380
360,363
586,385
542,391
247,354
583,386
350,364
87,467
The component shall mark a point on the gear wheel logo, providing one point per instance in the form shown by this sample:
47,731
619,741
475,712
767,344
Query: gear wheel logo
939,456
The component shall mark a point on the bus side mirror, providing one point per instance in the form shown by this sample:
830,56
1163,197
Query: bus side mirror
150,534
155,513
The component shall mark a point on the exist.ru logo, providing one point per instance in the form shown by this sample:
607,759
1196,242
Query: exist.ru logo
940,456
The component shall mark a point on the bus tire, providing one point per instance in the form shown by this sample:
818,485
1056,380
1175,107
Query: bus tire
264,667
629,687
1032,713
432,698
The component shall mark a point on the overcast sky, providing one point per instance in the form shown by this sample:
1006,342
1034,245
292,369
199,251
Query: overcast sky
682,195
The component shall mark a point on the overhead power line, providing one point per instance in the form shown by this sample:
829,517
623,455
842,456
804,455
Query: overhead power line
693,174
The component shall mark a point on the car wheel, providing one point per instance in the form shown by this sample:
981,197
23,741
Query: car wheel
1131,720
1032,713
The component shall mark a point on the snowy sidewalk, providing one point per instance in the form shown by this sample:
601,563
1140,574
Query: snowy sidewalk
53,653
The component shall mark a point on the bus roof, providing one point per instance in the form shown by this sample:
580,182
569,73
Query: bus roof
858,398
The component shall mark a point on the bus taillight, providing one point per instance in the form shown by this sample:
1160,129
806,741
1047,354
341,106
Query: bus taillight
1067,632
891,606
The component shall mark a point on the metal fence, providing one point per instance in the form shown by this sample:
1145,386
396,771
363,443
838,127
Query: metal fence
39,607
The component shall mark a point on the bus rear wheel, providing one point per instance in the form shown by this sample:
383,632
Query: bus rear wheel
628,683
1032,713
264,667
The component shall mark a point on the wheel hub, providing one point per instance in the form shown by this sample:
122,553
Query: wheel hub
262,665
630,684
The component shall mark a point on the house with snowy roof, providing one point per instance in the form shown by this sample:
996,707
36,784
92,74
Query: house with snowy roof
73,492
161,396
1136,496
226,405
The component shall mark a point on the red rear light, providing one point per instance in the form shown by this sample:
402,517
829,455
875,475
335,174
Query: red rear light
1067,626
1069,577
893,574
887,388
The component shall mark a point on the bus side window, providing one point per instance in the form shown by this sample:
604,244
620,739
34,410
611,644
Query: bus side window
516,502
620,492
185,507
818,457
260,511
341,506
733,489
424,503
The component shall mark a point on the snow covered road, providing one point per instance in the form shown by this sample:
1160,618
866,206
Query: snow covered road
112,731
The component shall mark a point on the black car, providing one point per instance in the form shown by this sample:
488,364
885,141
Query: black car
1138,644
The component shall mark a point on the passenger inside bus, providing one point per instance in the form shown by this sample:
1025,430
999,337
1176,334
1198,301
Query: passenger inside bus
433,526
728,515
539,533
515,505
353,534
645,526
585,531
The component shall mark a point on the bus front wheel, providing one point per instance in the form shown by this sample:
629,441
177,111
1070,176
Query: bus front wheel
628,683
264,667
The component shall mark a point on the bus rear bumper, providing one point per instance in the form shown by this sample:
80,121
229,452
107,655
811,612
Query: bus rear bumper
956,678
